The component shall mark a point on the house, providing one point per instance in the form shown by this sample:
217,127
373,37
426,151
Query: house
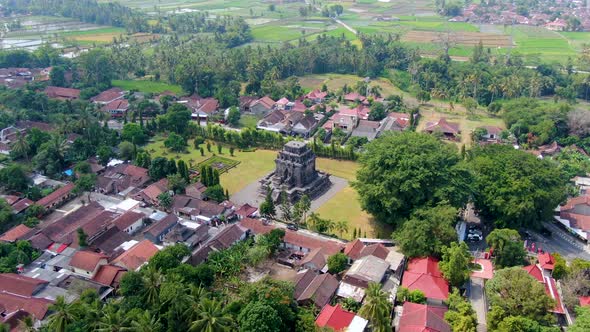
108,96
201,108
557,25
116,108
550,286
226,238
189,233
548,150
287,122
16,233
311,287
338,319
122,179
423,274
397,121
282,103
21,205
87,263
262,106
368,129
575,215
317,96
20,285
546,262
158,230
246,211
13,309
56,92
306,125
109,275
108,241
150,194
346,119
195,190
244,103
365,270
449,130
492,134
315,260
130,222
423,317
56,198
197,209
353,250
354,97
136,256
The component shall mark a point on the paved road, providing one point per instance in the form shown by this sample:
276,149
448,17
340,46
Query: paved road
562,243
478,301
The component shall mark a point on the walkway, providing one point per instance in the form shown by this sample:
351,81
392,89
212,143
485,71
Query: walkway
478,301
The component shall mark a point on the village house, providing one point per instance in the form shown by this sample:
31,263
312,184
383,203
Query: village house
317,96
289,123
368,129
107,241
109,275
201,108
396,122
195,190
575,215
188,232
246,211
227,237
260,106
108,96
354,97
87,263
362,272
116,108
550,286
136,255
150,194
423,317
346,119
492,134
198,209
449,130
130,222
122,179
56,198
16,233
423,274
338,319
18,299
158,230
311,287
55,92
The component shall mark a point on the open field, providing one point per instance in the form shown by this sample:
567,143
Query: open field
249,121
147,86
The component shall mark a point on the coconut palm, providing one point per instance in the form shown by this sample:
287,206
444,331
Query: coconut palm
152,280
146,322
113,320
341,226
21,147
63,315
377,308
211,318
196,295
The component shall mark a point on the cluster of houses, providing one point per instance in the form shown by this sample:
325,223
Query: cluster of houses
14,78
508,13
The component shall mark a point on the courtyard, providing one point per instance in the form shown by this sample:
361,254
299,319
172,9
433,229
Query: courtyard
339,203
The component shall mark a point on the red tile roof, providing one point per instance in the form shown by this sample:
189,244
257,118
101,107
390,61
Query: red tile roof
127,219
353,249
549,284
19,285
56,195
423,318
535,272
377,250
62,93
116,105
86,260
584,301
21,205
35,306
10,199
423,274
315,94
334,317
246,210
353,96
15,233
546,261
155,189
266,102
108,95
108,274
137,255
443,126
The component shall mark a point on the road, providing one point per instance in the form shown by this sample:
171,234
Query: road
478,301
562,243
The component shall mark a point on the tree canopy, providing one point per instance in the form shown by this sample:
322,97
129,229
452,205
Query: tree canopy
401,173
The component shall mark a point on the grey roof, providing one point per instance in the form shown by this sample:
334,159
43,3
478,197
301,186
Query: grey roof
369,268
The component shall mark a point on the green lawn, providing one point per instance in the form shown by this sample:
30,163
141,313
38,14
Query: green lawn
221,164
147,86
248,121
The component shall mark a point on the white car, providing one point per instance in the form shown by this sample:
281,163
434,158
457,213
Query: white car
474,237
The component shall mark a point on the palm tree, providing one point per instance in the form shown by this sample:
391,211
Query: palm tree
152,280
377,308
113,320
211,318
63,315
197,294
27,324
21,147
341,226
146,322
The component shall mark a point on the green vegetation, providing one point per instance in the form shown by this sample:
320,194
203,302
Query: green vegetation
147,86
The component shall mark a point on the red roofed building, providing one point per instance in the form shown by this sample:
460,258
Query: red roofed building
21,205
262,106
116,108
16,233
423,318
448,129
575,215
87,263
109,275
549,284
108,96
150,194
20,285
317,96
136,256
353,249
354,96
56,92
129,222
246,211
338,319
14,308
546,261
584,301
423,274
57,197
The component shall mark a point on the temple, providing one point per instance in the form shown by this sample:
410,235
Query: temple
295,174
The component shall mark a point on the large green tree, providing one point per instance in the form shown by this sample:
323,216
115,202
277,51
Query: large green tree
461,315
582,322
259,317
513,188
427,231
508,249
455,263
377,308
515,293
401,173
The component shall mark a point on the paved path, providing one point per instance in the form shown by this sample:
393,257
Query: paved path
561,242
478,301
346,26
251,196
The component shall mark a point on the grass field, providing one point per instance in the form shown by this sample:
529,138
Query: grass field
221,164
147,86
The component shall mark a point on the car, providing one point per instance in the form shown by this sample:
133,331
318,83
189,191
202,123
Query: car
474,231
545,232
474,237
292,227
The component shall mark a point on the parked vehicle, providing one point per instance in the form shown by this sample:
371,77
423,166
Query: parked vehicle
292,227
474,237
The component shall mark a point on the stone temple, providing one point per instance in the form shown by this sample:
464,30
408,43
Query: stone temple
295,174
